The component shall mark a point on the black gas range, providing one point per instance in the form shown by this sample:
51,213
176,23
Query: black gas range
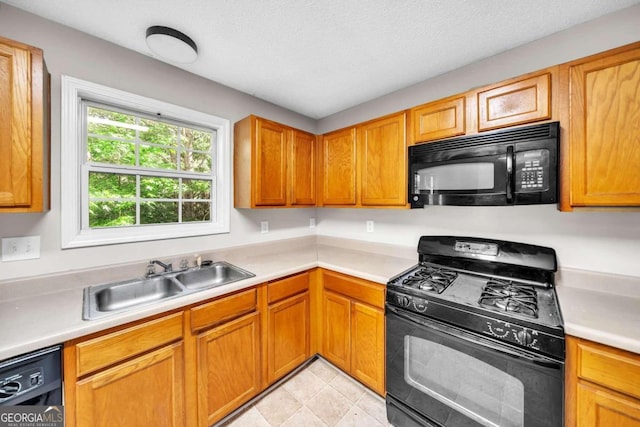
489,304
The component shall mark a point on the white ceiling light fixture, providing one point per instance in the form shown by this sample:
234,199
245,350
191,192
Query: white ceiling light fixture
171,44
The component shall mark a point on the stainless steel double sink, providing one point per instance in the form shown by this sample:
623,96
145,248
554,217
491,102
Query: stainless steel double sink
110,298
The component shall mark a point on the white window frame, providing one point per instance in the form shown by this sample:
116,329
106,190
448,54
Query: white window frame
73,234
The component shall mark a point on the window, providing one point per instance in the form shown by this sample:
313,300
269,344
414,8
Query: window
134,168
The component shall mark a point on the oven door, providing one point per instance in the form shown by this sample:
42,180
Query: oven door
442,376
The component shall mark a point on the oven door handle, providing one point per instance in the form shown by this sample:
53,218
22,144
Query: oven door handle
475,339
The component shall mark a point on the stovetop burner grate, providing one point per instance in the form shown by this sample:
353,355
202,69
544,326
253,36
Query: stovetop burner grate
507,296
431,279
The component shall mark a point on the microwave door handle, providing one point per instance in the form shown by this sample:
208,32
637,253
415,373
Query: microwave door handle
510,180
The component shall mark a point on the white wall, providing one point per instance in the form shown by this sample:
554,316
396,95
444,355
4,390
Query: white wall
79,55
606,242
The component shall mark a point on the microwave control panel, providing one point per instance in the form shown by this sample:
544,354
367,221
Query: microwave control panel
532,171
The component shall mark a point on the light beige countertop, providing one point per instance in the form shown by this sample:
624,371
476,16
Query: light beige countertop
41,311
601,307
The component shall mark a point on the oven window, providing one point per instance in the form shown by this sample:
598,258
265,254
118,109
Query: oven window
472,387
457,176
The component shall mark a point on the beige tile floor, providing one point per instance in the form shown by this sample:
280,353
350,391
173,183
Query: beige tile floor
319,395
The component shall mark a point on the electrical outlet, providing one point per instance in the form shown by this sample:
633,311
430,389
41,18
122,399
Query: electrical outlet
19,248
264,226
312,223
369,226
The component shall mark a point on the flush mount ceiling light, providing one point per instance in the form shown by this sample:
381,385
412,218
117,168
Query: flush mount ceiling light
171,44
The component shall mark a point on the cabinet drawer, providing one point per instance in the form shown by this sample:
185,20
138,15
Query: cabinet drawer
223,309
615,369
106,350
287,287
370,293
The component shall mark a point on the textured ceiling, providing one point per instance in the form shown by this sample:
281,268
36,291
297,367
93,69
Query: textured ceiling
318,57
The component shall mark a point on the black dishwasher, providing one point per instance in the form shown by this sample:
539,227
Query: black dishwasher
32,379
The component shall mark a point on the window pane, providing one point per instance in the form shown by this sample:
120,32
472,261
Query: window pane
196,189
196,211
158,212
159,133
158,157
111,185
193,139
110,151
152,187
110,123
111,214
195,162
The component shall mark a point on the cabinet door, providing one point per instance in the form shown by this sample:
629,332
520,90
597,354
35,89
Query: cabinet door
271,163
303,169
367,345
436,120
336,337
598,407
522,101
338,176
603,130
383,161
22,137
228,367
148,390
288,335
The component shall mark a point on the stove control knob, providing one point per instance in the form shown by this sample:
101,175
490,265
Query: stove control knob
524,337
404,300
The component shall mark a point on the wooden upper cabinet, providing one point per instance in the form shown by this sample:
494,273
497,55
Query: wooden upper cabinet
439,119
515,102
274,165
338,167
303,169
270,151
604,129
24,134
383,161
365,166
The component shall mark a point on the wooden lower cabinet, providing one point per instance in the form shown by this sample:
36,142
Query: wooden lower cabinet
336,345
367,345
147,390
353,328
599,407
132,377
197,365
228,367
602,385
288,335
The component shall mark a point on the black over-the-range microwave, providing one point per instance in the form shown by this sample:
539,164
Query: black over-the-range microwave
517,166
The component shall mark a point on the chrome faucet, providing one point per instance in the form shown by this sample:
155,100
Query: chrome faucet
151,269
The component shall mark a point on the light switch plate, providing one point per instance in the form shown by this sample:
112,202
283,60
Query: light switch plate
264,226
369,226
19,248
312,223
